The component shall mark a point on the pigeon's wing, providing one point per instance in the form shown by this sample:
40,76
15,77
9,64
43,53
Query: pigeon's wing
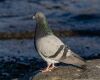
56,53
50,46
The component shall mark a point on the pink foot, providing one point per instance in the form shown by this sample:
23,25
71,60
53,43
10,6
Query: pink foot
45,70
49,68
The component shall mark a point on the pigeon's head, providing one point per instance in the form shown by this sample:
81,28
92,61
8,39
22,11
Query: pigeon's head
39,16
42,23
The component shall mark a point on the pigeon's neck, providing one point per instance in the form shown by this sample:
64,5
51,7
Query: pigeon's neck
42,28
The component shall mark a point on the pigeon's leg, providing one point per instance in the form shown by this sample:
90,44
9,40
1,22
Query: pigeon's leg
52,66
47,68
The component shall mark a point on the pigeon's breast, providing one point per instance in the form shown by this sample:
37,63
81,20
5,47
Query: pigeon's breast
48,45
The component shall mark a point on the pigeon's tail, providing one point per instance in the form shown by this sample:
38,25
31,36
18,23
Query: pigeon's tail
73,59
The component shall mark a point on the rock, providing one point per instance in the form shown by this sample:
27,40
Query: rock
92,72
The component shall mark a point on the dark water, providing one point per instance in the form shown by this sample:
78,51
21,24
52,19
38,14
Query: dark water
16,15
80,18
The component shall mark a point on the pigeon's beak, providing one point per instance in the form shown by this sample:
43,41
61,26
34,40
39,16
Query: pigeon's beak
33,17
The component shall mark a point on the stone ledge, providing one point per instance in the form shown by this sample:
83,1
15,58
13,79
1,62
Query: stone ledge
72,73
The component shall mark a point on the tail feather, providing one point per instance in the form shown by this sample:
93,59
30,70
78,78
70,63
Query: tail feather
74,59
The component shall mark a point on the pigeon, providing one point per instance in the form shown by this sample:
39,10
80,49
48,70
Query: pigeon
50,47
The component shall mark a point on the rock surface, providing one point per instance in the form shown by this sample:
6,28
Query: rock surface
92,72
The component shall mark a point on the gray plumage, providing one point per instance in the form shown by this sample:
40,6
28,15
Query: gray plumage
50,47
